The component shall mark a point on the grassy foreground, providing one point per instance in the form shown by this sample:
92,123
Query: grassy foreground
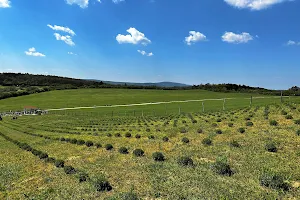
249,153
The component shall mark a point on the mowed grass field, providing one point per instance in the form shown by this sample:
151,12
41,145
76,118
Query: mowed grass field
249,153
91,97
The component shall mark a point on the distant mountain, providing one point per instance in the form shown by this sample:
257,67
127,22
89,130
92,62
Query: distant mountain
159,84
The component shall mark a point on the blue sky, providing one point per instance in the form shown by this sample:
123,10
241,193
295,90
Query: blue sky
252,42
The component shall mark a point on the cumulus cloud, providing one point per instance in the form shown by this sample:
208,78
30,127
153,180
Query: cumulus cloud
80,3
32,52
291,43
231,37
4,3
144,53
67,39
134,37
62,28
254,4
194,37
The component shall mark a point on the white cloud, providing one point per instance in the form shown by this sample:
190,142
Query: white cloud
32,52
117,1
4,3
231,37
135,37
291,42
81,3
194,37
62,28
254,4
71,53
67,39
144,53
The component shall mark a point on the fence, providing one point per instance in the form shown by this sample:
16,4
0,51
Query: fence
173,107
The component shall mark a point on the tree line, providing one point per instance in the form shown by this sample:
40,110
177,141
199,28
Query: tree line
18,84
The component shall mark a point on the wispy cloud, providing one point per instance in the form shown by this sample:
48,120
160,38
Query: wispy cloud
254,4
62,28
291,43
231,37
66,38
32,52
144,53
80,3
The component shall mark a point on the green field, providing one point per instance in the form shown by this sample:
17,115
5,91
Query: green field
250,156
100,97
91,97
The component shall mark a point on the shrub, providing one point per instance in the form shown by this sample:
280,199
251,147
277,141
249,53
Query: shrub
165,139
199,130
214,125
50,160
126,196
123,150
194,121
183,121
249,123
158,156
273,123
273,180
36,152
80,142
98,145
128,135
230,124
62,139
108,135
73,141
219,131
207,141
242,130
185,161
69,170
234,143
289,117
43,156
247,119
297,121
109,147
185,140
298,132
219,120
221,167
183,130
271,147
59,163
89,143
148,129
138,152
82,176
137,136
283,112
118,135
151,137
101,184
